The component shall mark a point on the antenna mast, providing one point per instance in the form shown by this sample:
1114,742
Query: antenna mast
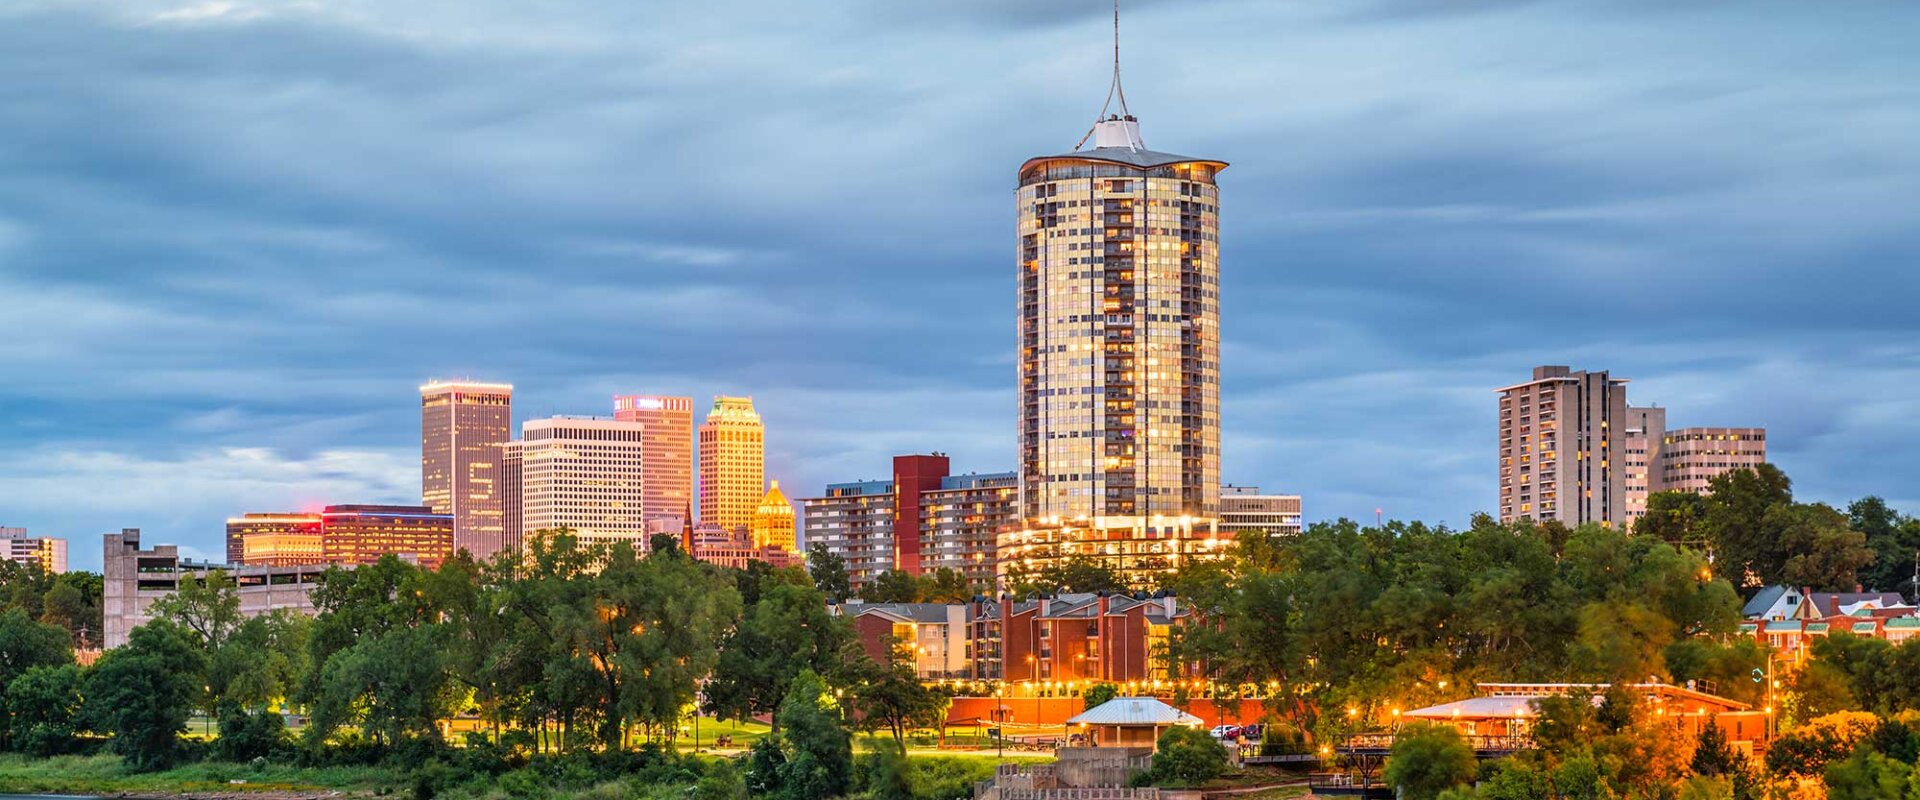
1114,89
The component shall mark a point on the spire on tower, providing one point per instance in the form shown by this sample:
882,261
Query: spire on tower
1115,130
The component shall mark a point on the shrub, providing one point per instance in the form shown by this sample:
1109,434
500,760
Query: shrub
1427,760
245,735
1187,757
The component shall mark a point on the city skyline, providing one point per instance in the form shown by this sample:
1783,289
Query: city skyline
1350,376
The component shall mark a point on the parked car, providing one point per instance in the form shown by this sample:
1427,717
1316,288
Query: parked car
1253,733
1225,731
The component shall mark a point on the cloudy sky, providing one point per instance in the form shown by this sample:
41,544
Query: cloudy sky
236,235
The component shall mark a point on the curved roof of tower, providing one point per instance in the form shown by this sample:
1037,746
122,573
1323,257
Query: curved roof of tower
1142,158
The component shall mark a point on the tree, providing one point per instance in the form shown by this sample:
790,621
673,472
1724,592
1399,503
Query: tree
25,645
947,586
892,586
1185,757
789,630
43,706
1671,517
819,752
1894,540
392,684
208,608
888,694
1097,694
1733,522
829,573
143,692
1427,760
1079,573
1806,751
1816,548
1867,775
887,774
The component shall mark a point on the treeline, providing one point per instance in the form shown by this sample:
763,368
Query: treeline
596,651
69,601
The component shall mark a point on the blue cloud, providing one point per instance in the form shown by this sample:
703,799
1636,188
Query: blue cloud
236,234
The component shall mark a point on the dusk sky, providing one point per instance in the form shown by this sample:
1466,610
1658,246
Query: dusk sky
236,235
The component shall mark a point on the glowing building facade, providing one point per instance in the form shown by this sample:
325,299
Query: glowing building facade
733,468
1119,351
462,427
275,540
669,449
362,534
1562,436
584,474
773,522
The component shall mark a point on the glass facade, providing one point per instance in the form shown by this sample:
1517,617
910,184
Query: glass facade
1119,362
462,428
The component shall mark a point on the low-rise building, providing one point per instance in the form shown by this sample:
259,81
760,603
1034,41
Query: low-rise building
362,534
275,540
932,635
735,548
133,579
1690,458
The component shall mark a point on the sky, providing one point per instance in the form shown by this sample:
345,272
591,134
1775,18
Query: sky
237,235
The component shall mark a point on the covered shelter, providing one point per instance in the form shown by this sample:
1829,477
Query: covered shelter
1131,721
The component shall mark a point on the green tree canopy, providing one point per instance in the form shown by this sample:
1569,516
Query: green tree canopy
1427,760
142,693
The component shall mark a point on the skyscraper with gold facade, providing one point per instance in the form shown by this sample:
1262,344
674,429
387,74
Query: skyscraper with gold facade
733,471
773,521
1119,352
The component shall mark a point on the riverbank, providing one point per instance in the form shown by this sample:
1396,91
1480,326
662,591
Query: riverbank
105,776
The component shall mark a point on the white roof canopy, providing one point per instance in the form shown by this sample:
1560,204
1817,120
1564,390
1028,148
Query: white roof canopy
1134,711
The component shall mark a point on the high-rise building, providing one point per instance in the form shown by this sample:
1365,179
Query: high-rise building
512,497
362,534
1246,508
855,522
1559,447
733,468
1690,458
913,477
1640,457
1119,352
47,551
462,426
668,452
960,523
773,522
950,521
585,474
275,540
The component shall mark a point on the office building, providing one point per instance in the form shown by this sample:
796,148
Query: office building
134,579
47,551
585,474
462,427
668,451
1246,508
1690,458
362,534
1640,457
276,540
960,523
1559,448
923,519
733,470
512,498
1119,359
773,522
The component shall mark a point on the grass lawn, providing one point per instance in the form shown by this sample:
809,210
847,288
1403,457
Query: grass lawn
104,774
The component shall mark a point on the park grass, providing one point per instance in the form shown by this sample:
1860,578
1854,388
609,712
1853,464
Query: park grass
105,774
